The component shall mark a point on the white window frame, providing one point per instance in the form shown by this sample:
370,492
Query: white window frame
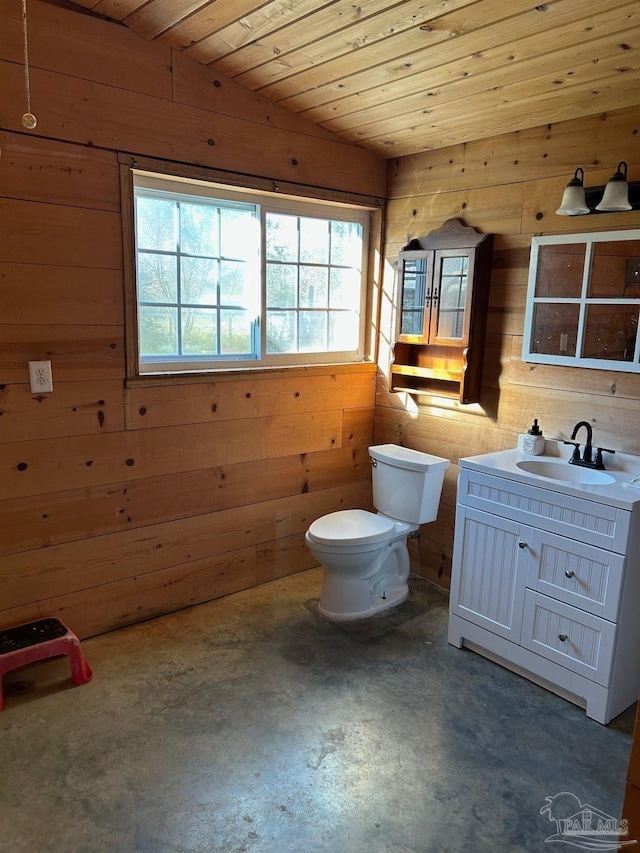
583,302
267,202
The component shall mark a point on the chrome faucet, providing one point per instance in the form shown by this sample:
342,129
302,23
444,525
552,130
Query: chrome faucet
587,454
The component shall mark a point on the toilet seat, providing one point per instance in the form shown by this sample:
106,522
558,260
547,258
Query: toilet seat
351,527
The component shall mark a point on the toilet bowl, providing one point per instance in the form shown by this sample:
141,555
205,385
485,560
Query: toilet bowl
365,554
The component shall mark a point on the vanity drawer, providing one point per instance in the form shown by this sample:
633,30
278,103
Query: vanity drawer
598,524
567,636
578,574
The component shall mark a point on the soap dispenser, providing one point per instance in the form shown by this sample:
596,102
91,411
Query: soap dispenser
532,442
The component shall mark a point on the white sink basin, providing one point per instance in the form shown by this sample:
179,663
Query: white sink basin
553,473
565,473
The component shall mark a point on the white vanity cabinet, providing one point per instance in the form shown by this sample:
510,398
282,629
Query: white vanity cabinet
547,583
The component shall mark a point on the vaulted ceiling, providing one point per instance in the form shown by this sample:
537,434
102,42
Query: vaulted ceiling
403,77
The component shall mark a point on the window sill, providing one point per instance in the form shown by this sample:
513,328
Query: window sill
148,380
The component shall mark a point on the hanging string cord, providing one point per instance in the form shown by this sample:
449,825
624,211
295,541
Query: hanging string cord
26,54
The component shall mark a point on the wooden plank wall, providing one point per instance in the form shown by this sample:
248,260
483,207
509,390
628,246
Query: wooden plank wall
116,503
511,186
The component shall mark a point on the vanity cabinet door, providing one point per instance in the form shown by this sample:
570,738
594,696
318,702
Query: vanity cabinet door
489,571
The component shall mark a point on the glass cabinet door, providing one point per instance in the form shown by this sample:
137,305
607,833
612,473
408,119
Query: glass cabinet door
453,271
436,296
415,275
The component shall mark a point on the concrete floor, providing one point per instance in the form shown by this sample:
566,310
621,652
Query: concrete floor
250,724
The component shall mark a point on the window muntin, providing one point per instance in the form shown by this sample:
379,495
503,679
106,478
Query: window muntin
229,279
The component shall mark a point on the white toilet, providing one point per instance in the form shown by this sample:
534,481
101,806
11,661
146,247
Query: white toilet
365,554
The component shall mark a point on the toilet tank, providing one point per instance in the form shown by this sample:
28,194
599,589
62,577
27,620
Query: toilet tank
407,484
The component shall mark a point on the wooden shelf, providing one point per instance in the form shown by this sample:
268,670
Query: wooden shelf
421,392
442,374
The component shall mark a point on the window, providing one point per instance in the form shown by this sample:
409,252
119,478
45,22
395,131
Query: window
228,278
583,301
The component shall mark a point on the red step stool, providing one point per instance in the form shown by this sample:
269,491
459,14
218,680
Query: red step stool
45,638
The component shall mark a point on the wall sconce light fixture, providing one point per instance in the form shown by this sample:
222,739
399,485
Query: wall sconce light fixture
618,195
574,201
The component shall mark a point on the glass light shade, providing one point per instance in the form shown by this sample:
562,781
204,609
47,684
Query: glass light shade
573,199
616,193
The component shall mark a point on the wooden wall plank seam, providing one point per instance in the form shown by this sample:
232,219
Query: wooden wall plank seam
75,408
93,114
47,572
37,521
103,608
77,353
33,467
258,396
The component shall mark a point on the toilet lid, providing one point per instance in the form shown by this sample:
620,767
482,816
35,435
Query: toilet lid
355,526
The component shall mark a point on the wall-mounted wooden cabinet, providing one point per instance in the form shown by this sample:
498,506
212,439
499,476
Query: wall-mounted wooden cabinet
444,287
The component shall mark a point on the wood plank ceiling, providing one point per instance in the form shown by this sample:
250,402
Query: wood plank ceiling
403,77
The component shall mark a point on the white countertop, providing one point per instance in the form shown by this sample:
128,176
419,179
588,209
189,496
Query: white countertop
621,466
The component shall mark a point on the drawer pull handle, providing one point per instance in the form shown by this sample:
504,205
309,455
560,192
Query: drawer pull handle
522,544
563,637
569,574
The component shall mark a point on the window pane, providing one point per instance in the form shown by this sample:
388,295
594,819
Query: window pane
455,266
555,329
346,244
611,332
199,229
198,281
560,270
343,330
239,234
236,284
158,331
453,291
281,237
281,331
199,331
453,294
156,224
313,331
157,280
235,332
314,291
450,323
344,289
282,282
612,270
314,240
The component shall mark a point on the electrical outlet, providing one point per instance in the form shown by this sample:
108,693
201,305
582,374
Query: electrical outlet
40,377
632,271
